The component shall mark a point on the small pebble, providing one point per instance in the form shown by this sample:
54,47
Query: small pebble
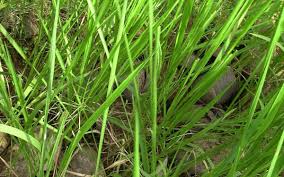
84,163
227,80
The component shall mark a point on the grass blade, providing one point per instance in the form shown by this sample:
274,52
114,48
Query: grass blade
51,66
276,155
20,134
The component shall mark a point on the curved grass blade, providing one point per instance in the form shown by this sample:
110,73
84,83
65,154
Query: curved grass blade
20,134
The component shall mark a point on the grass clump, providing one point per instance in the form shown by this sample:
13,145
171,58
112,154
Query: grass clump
130,80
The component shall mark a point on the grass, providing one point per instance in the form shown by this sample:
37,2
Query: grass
69,81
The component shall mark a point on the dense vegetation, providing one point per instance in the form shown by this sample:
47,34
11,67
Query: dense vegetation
130,79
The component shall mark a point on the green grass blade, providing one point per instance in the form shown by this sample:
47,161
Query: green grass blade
136,165
111,81
56,143
20,134
276,155
153,87
51,62
13,42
